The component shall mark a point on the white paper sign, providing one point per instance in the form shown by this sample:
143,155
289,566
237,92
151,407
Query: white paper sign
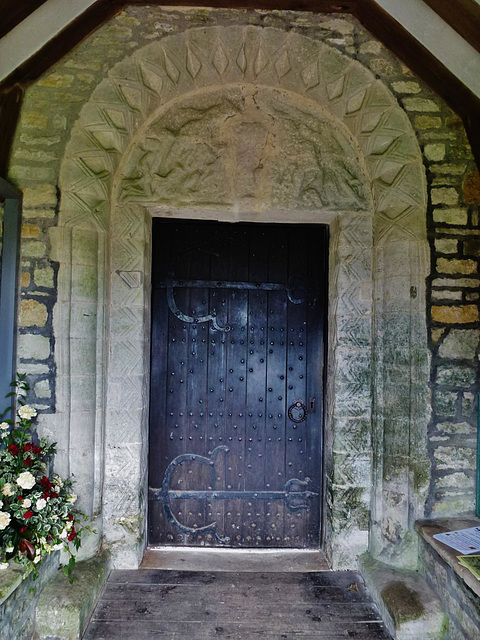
464,540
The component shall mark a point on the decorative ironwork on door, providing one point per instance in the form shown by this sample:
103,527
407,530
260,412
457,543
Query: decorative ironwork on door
237,365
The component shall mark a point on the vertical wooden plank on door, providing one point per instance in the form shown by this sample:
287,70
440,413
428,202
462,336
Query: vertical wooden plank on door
158,457
296,372
275,397
255,436
236,372
216,379
317,252
196,476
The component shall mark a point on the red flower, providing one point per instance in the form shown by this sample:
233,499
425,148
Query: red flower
72,534
20,498
27,515
70,517
53,494
37,450
22,529
28,461
45,482
13,449
28,446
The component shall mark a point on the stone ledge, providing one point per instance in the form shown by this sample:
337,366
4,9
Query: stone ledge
409,607
64,609
427,528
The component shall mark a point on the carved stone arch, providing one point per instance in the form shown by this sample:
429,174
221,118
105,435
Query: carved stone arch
106,239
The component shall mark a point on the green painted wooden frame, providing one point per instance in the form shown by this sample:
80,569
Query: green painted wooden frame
12,202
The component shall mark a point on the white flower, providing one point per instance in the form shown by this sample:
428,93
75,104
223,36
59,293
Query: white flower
8,489
3,435
26,503
3,566
68,526
72,498
10,549
63,534
37,559
40,504
54,517
1,504
4,520
57,547
4,426
27,412
26,480
58,481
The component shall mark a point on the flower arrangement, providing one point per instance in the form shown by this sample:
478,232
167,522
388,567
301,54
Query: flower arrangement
37,515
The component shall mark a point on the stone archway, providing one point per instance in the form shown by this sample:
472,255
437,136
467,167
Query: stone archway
101,326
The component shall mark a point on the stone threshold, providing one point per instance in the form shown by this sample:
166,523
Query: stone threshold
427,528
238,560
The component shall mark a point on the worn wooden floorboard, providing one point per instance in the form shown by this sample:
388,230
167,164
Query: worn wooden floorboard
137,605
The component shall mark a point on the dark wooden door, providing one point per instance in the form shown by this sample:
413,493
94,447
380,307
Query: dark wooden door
237,384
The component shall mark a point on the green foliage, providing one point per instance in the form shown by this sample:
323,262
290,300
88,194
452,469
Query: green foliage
37,515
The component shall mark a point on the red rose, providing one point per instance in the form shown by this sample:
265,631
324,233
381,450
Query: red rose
13,449
37,450
28,446
45,495
27,515
28,461
70,517
20,498
72,534
22,529
45,482
53,494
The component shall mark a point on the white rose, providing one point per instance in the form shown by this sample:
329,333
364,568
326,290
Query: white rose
8,489
58,481
26,503
4,520
4,426
72,498
58,547
10,549
27,412
37,559
1,504
40,504
25,480
3,566
3,435
63,534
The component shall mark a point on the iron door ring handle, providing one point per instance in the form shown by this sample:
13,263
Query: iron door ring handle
301,408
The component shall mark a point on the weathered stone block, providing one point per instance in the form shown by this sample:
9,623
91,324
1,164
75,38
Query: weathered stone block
445,402
428,122
33,249
451,216
460,344
454,458
446,245
451,265
435,152
30,230
44,277
421,104
444,195
459,376
33,347
32,313
42,389
465,314
45,195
